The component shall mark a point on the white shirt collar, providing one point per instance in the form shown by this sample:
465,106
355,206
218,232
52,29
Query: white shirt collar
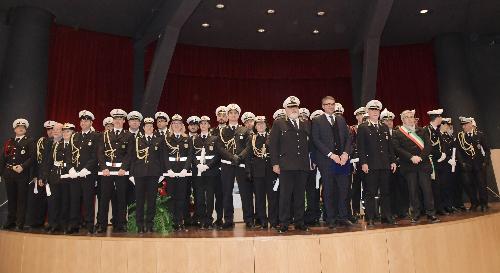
204,134
86,132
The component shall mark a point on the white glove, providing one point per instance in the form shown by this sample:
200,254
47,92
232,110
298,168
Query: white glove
202,167
452,162
72,173
47,190
183,173
171,174
443,156
83,172
160,179
132,179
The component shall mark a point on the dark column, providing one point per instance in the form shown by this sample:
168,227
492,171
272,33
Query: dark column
23,83
356,59
138,75
456,94
370,69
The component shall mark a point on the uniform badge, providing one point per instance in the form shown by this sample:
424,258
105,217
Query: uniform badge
211,148
156,148
90,143
123,146
241,137
386,137
23,151
185,145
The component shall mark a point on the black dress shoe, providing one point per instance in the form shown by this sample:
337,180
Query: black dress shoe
485,208
100,229
209,226
249,225
149,229
433,219
9,226
119,230
332,225
228,225
20,228
414,220
345,223
314,223
218,223
473,208
140,229
442,213
392,222
301,227
275,226
370,223
283,229
72,230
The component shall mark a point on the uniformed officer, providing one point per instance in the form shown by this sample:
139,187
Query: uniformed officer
134,122
289,149
58,187
18,157
232,145
451,194
178,160
84,165
474,156
339,109
114,162
260,169
399,187
313,211
147,167
162,120
193,125
206,163
248,119
377,160
279,114
37,200
357,174
107,123
413,147
221,115
193,128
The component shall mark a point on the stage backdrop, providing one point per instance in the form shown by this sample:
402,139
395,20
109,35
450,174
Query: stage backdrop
93,71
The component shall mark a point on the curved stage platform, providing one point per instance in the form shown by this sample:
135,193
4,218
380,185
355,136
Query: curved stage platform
467,242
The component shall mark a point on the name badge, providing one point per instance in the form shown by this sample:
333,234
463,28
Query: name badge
185,145
23,152
241,137
387,137
211,148
123,146
90,143
156,148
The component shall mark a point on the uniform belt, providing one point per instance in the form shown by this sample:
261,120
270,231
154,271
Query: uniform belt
206,157
59,164
183,158
10,166
229,163
115,164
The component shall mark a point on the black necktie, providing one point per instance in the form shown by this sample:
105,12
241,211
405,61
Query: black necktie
294,124
64,145
18,139
148,138
161,133
233,127
332,121
204,136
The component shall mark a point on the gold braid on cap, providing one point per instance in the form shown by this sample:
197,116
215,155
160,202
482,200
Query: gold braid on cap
466,146
230,144
142,154
75,152
39,150
173,149
109,152
262,153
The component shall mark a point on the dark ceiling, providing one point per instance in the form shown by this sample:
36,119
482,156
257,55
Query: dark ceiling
290,27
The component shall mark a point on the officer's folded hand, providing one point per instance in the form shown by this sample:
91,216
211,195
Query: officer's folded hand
393,167
415,159
364,168
121,172
236,160
105,172
276,169
170,173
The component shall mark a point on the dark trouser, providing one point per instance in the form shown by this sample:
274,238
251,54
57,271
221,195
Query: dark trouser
204,200
399,194
357,181
87,185
16,186
313,211
263,187
457,190
74,195
145,194
436,193
36,206
108,185
176,188
292,182
189,192
445,190
228,173
219,204
335,195
474,185
59,204
420,183
375,180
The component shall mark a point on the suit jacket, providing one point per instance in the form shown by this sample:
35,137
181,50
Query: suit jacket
324,141
289,147
43,146
153,165
436,142
259,163
405,149
87,148
120,143
477,141
212,157
375,146
17,153
178,153
233,143
58,163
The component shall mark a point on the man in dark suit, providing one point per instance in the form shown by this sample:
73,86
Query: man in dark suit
113,156
331,138
376,157
289,148
413,147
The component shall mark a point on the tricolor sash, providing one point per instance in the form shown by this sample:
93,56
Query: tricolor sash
413,137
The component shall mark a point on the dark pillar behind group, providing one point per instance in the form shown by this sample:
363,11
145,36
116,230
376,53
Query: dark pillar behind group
25,71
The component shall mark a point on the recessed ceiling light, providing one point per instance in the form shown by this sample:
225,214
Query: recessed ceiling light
424,11
321,13
261,30
271,11
220,6
315,31
205,25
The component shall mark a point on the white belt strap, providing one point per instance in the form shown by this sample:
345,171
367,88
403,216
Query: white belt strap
59,164
206,157
229,163
184,158
113,173
116,164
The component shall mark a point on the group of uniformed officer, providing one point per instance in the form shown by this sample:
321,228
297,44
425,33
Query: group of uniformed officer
403,171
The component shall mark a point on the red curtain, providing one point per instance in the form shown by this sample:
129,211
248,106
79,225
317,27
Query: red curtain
88,70
202,78
407,80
